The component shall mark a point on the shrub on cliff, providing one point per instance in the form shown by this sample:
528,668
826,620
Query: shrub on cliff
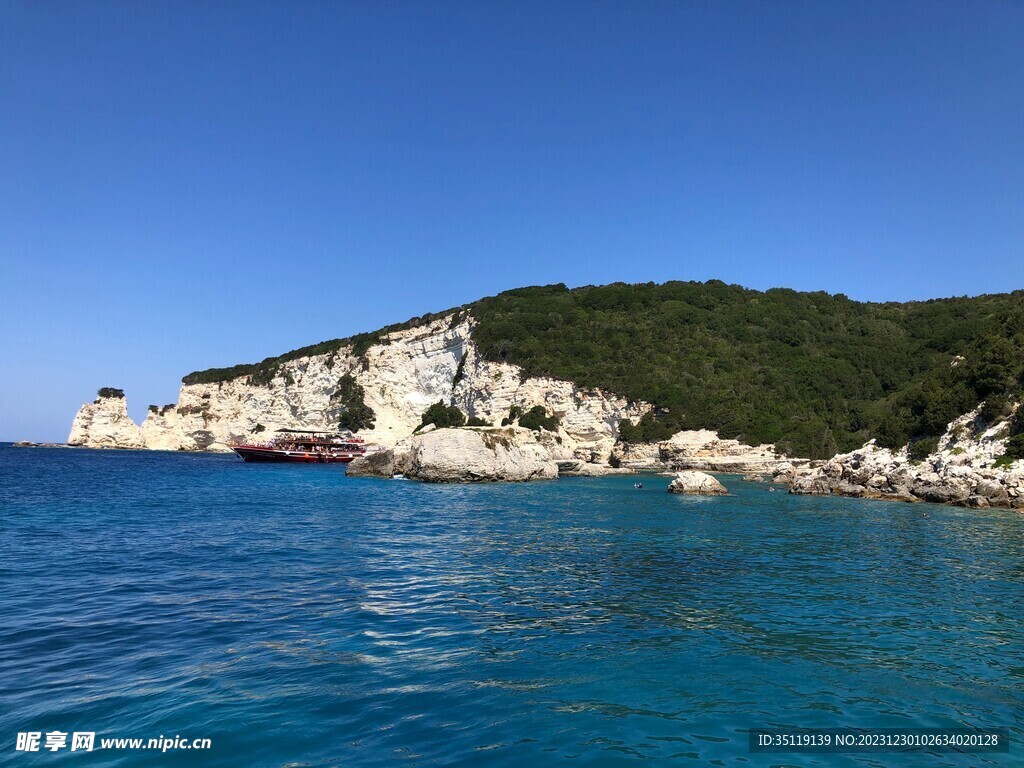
110,392
921,449
514,413
441,415
648,430
537,418
357,415
461,370
1014,450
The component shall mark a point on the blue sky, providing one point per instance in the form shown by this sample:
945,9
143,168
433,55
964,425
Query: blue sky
186,185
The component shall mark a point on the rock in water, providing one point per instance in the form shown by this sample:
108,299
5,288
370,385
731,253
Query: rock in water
699,483
462,455
377,464
478,455
105,423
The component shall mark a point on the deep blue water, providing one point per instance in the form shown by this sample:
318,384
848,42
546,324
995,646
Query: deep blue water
297,617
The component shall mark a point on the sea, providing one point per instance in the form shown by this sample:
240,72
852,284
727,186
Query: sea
238,614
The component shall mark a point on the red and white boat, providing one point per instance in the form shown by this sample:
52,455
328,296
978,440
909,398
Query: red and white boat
304,446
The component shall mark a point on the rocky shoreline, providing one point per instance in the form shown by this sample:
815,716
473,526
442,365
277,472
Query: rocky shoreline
961,471
407,371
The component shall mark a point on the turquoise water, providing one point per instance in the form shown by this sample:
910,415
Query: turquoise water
297,617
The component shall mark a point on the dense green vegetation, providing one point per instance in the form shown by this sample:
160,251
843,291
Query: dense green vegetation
110,392
357,414
812,372
920,449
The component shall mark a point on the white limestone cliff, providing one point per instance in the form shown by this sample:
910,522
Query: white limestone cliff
401,377
105,423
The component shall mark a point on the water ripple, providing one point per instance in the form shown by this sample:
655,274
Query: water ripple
298,617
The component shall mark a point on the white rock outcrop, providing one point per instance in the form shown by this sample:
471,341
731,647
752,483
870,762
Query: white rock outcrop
463,455
580,468
697,483
960,471
105,423
699,449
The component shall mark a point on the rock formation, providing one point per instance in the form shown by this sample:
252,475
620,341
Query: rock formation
104,423
408,370
401,377
580,468
699,449
696,483
960,471
463,455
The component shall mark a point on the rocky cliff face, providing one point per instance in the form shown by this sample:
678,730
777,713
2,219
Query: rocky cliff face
401,377
699,449
105,423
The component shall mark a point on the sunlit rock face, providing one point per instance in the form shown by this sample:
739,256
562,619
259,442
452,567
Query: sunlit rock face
401,377
699,449
961,470
105,424
696,483
475,455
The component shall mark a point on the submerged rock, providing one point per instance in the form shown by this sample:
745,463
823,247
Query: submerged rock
698,483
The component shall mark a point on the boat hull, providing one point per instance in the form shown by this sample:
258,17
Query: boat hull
276,455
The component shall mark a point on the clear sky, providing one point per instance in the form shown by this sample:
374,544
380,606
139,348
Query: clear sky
186,185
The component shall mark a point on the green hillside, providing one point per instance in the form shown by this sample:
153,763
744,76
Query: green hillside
812,372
